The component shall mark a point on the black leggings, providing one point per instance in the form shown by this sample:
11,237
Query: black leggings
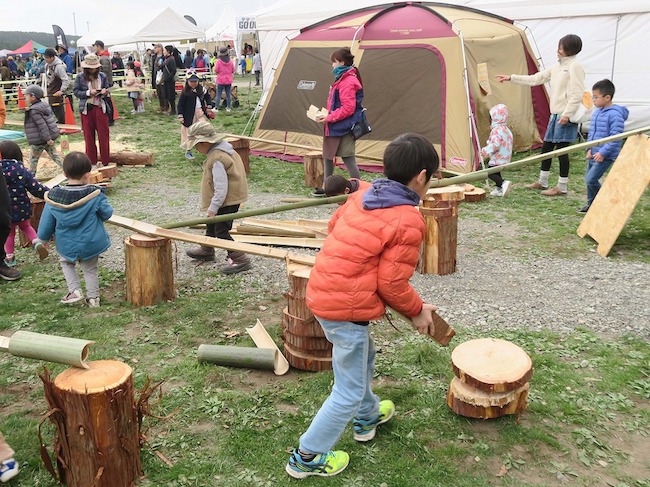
496,178
222,229
564,160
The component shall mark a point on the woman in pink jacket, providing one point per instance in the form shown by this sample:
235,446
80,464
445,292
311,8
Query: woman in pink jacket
344,108
224,68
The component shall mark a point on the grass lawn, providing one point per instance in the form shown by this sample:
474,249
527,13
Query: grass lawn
587,424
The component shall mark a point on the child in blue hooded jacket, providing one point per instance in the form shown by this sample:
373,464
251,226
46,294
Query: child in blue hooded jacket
76,213
607,119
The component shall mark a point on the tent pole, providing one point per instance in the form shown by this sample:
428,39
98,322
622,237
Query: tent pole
618,21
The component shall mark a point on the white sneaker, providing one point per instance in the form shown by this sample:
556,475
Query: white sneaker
496,192
93,302
8,470
73,297
228,110
505,187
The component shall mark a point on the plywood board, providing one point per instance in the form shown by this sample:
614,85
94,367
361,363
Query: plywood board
628,178
310,243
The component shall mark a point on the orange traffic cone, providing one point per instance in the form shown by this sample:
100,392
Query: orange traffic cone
115,114
69,118
21,100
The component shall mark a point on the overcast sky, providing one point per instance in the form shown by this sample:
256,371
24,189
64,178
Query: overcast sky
39,15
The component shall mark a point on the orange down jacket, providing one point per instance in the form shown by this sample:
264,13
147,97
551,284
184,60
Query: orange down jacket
366,262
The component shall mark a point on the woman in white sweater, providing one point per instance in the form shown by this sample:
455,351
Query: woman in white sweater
567,83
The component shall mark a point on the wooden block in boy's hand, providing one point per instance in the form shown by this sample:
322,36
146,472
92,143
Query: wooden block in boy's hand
440,330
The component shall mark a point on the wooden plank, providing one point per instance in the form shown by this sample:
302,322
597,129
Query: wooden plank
259,227
155,231
628,178
311,243
59,125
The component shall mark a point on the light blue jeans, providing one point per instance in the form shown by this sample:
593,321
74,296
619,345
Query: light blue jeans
595,171
353,361
220,89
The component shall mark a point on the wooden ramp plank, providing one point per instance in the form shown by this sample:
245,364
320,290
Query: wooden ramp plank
311,243
628,177
155,231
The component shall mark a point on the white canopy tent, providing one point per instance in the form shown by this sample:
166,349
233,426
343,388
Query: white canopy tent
614,35
159,25
225,28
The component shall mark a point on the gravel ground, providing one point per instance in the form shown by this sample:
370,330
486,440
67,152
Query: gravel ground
490,290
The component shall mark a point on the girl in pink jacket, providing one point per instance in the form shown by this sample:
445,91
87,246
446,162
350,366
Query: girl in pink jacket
224,69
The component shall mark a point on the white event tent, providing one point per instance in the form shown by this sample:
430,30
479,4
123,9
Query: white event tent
614,35
159,25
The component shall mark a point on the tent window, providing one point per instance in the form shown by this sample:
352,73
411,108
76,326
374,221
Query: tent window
295,91
403,92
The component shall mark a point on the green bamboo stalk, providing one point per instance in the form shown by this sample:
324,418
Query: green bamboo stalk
257,212
480,175
249,357
51,348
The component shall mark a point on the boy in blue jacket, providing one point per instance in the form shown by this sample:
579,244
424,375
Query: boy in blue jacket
608,119
76,213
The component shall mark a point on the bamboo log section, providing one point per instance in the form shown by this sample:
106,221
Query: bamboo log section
262,339
249,357
242,147
149,270
492,365
483,174
126,158
51,348
313,166
472,403
97,440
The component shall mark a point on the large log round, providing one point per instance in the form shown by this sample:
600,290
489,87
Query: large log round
98,433
302,327
304,361
149,270
473,403
492,365
318,346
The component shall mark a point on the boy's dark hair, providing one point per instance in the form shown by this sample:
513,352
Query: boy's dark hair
605,87
407,155
571,44
335,185
76,164
49,52
10,150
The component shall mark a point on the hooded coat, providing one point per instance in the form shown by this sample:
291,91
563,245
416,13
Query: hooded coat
369,256
605,122
344,104
224,69
20,182
499,143
40,125
76,216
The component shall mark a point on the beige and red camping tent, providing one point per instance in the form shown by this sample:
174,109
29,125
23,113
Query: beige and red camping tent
426,67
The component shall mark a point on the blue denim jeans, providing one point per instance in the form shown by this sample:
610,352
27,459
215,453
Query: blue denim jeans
595,171
353,361
220,89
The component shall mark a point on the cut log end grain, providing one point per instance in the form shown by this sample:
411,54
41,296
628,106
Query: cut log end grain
472,403
475,196
304,361
492,365
99,376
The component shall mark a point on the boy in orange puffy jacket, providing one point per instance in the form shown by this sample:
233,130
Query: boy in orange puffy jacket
365,264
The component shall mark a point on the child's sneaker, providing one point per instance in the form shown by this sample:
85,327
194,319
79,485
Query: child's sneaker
10,261
8,470
189,155
365,429
8,273
73,297
505,187
323,464
93,302
497,192
41,250
582,210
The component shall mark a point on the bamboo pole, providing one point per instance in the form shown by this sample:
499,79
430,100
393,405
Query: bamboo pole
51,348
252,358
298,146
479,175
259,211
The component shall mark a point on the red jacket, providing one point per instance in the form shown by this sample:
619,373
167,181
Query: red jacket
366,262
343,107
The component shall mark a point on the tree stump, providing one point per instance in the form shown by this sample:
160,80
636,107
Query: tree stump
476,195
125,158
242,147
149,270
313,167
97,439
440,211
305,345
491,379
